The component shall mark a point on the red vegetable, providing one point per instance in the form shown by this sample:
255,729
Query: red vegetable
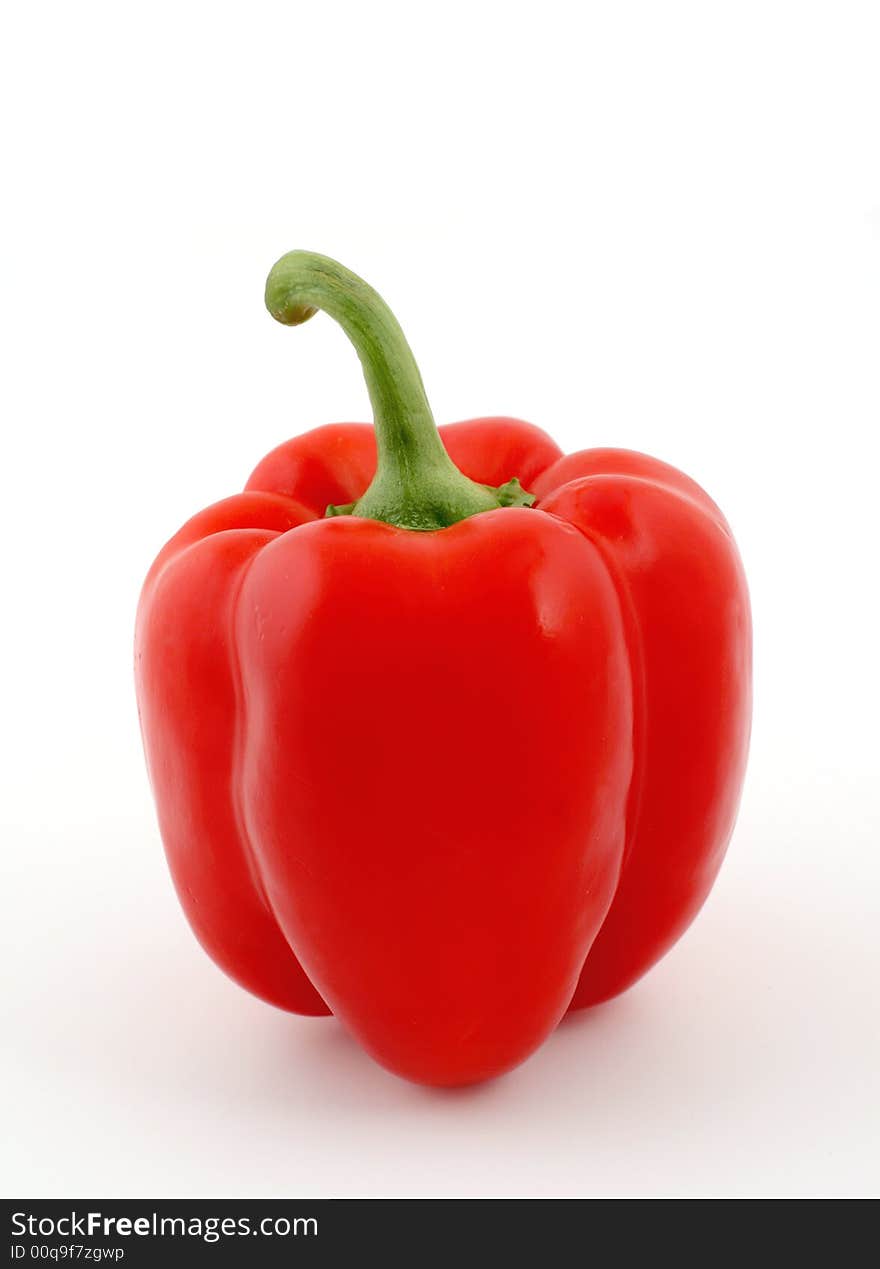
443,762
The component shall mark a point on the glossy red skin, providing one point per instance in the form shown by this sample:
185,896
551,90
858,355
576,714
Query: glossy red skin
685,604
449,783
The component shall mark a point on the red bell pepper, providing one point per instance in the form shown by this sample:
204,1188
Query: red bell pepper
442,756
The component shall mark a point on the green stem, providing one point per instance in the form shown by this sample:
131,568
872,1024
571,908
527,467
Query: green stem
417,485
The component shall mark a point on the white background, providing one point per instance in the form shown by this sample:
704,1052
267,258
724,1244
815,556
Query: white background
655,226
